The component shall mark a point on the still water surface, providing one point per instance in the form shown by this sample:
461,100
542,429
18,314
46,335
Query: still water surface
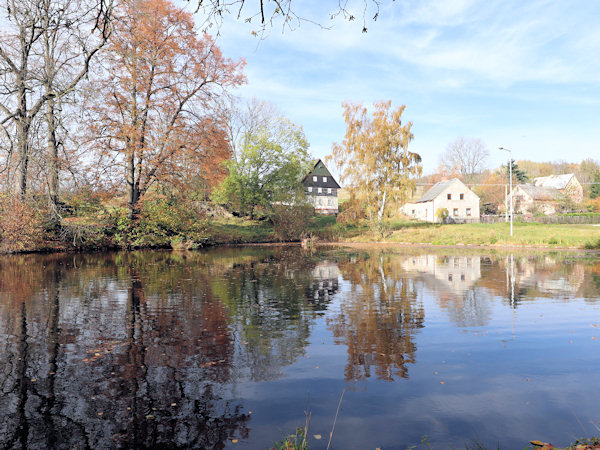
230,347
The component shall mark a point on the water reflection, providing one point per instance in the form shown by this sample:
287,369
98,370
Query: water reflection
97,357
454,278
156,349
323,285
378,320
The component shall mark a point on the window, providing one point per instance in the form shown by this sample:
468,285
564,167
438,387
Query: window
414,212
449,196
468,211
329,190
449,277
319,190
319,201
455,212
324,179
310,189
462,196
462,277
315,178
330,201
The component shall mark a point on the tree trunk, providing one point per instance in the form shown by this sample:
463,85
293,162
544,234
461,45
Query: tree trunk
381,208
20,186
52,155
22,124
133,188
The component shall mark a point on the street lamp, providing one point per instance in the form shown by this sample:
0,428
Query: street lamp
511,189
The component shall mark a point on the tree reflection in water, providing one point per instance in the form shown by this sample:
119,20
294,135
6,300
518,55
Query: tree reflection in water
145,349
378,320
150,349
122,367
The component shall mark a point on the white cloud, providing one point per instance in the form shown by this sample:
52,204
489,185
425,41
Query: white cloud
469,67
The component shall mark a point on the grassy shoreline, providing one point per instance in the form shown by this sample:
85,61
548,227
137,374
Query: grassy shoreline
239,231
495,235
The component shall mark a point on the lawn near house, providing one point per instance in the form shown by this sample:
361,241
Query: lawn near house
524,235
326,229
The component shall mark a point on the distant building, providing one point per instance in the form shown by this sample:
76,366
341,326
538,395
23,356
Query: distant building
321,189
567,184
530,199
453,195
546,194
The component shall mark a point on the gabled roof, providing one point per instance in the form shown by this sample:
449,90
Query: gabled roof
541,193
439,188
554,181
320,170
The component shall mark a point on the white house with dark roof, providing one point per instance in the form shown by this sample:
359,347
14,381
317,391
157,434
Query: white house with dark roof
321,189
452,195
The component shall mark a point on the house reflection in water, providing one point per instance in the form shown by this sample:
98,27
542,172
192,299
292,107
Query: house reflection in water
324,283
454,280
455,274
548,276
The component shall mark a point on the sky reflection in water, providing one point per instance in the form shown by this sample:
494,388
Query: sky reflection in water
229,347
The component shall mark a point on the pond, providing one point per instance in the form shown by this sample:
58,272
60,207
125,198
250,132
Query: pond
232,347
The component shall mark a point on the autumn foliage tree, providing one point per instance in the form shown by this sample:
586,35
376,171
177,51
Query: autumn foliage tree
374,160
158,119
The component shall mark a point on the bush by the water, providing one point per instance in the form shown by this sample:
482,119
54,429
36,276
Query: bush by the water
160,222
290,222
21,224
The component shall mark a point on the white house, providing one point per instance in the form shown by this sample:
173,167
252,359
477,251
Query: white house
460,202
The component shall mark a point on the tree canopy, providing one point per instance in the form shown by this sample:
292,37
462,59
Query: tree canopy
518,174
374,160
267,169
468,156
283,12
159,118
595,189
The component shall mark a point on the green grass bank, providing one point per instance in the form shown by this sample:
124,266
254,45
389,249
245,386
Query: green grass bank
325,228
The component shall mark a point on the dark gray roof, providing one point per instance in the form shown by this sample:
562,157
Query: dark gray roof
319,170
436,190
541,193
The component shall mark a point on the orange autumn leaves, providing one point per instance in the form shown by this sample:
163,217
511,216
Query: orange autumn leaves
158,119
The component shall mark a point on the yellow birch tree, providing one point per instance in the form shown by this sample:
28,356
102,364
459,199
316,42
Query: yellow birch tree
374,160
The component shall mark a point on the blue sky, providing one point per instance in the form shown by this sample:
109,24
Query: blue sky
519,74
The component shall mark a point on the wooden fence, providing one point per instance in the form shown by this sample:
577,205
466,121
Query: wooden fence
559,219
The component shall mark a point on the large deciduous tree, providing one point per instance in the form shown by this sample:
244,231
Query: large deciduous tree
268,168
374,160
158,117
468,156
45,51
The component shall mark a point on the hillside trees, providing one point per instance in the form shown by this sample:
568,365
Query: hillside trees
268,167
374,160
157,118
45,52
595,187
